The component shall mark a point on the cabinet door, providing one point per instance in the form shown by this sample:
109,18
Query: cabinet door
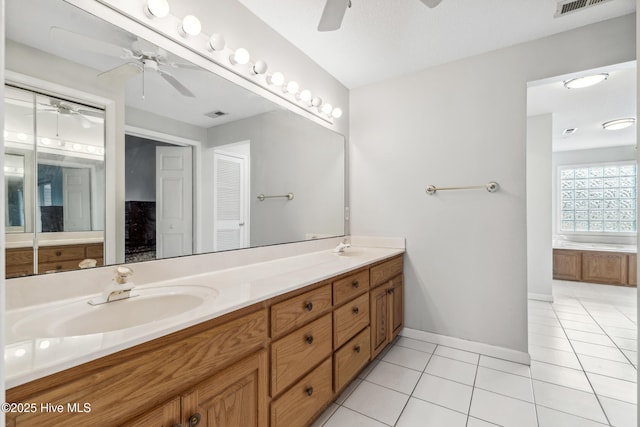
633,270
379,300
396,307
604,267
167,415
567,264
236,397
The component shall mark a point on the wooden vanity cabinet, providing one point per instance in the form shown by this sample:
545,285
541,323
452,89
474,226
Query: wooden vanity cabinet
567,264
19,261
612,268
387,304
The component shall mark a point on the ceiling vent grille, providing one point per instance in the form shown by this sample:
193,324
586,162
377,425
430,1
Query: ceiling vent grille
568,6
216,114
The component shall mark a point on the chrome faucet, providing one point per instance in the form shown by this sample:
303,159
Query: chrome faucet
341,247
118,289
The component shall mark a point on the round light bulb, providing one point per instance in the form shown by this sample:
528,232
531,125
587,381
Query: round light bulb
316,101
216,42
240,57
619,124
585,81
20,352
276,79
190,26
157,8
260,67
45,141
100,150
6,134
326,108
22,136
45,344
91,149
77,147
304,95
336,113
292,87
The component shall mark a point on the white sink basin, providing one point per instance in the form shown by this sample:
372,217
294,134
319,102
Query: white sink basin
80,318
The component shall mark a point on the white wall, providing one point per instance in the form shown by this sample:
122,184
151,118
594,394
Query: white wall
539,214
463,123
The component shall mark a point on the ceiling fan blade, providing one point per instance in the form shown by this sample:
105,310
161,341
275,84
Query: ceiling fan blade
332,15
89,114
83,121
122,72
68,38
431,3
176,84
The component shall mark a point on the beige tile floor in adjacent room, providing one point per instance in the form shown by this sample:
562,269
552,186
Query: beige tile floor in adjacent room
583,373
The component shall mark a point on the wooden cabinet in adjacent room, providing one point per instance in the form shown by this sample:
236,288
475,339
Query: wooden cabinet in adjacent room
604,267
567,264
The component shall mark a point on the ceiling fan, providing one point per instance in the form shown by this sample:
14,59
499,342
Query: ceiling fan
140,57
334,11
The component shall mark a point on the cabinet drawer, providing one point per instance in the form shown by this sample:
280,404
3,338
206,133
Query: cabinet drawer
60,253
294,354
51,267
305,399
296,311
385,271
95,251
351,358
349,287
19,257
349,319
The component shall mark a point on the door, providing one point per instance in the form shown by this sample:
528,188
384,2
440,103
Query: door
379,300
76,199
230,193
174,217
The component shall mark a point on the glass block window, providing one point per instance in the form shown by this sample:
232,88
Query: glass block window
598,199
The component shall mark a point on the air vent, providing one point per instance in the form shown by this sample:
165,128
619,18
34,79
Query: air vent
568,6
216,114
569,131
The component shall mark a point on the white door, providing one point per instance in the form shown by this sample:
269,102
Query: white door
76,199
230,193
174,217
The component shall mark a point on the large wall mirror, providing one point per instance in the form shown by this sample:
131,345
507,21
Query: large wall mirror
102,124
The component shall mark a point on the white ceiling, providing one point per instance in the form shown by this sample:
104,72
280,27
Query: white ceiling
383,39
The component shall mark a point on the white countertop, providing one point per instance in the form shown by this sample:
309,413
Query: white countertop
29,358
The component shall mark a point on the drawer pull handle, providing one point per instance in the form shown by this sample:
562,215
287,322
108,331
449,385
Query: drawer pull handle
309,339
356,310
309,391
357,348
309,306
390,291
356,284
194,419
58,253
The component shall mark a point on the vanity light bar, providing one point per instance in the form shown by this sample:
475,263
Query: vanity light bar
54,144
238,60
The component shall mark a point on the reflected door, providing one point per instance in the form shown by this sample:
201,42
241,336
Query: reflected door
230,194
76,190
174,217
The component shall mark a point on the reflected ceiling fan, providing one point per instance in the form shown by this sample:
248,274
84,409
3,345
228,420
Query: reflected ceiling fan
86,118
140,57
334,11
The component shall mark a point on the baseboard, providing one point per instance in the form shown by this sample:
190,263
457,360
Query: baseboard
540,297
473,346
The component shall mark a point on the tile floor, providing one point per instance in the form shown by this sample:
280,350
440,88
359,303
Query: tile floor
583,373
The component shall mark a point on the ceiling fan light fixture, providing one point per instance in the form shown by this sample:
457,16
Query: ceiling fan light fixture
240,56
157,8
216,42
260,67
618,123
276,79
191,26
585,81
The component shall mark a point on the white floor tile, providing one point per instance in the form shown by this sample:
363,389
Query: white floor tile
420,413
563,308
532,311
616,323
609,368
581,326
423,346
552,418
363,374
601,351
407,357
395,377
502,410
542,320
614,388
547,330
461,355
347,391
503,383
626,343
324,417
444,392
612,331
556,357
346,417
560,375
451,369
568,400
589,337
475,422
505,366
585,318
620,414
377,402
632,356
550,342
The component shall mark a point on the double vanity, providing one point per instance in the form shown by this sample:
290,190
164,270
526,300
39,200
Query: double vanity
271,343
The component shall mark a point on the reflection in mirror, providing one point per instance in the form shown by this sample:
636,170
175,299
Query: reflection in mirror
198,150
14,193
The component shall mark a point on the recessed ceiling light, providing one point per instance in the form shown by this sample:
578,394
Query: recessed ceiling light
619,123
586,81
